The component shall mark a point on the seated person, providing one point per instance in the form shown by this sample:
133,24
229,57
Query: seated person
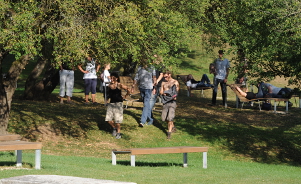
247,95
268,90
265,90
192,83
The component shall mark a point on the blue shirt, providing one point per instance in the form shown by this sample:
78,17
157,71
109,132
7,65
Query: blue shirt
221,67
144,77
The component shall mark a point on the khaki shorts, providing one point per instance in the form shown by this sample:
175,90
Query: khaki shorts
169,111
115,112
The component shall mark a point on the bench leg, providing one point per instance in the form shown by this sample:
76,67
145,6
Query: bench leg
133,160
286,106
205,160
275,106
38,159
19,158
185,160
113,158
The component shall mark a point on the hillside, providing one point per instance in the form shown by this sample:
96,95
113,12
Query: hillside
249,142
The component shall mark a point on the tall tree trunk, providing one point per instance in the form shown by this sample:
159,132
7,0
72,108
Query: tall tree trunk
32,78
41,90
8,87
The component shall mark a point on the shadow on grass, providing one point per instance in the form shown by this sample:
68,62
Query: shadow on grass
260,135
148,164
73,120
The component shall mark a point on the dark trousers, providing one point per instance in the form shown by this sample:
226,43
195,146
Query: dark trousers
224,90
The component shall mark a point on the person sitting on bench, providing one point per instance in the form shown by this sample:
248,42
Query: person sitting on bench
265,90
270,91
192,83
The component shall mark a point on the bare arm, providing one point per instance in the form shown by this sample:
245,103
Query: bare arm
125,88
177,86
227,73
133,86
81,69
98,67
160,77
155,80
162,88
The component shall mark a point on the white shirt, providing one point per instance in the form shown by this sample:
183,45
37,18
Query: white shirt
91,68
189,84
106,74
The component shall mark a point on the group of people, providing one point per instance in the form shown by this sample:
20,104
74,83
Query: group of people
90,79
220,69
152,81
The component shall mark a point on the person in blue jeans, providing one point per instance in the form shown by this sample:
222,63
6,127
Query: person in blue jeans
221,72
146,78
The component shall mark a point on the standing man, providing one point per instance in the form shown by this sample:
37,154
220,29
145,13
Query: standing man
222,67
146,79
90,78
66,81
169,91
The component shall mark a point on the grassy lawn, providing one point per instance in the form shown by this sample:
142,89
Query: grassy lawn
245,146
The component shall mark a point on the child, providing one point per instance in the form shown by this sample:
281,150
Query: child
114,114
106,80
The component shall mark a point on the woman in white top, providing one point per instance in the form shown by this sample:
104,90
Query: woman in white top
90,78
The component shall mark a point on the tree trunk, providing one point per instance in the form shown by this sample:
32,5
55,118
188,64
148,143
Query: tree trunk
32,78
8,87
41,90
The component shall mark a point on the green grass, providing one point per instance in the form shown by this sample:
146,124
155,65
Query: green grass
159,169
245,146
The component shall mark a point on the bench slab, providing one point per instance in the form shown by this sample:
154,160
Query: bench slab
19,145
10,142
9,137
161,150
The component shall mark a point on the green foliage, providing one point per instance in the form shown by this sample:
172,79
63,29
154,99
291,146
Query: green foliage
267,31
18,28
111,31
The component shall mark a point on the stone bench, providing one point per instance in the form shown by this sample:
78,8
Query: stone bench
9,142
161,150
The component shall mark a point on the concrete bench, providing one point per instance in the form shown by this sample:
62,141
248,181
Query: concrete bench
161,150
9,142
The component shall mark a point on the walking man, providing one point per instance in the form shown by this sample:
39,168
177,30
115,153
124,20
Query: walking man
169,92
146,79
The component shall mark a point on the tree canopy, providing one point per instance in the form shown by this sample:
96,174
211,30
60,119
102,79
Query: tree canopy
268,31
108,30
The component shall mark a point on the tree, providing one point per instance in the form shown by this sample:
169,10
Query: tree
268,31
50,32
